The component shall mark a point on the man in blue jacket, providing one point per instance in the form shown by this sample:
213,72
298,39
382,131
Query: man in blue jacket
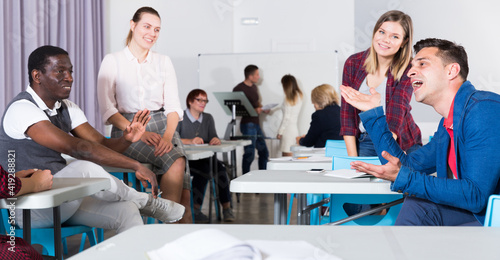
464,151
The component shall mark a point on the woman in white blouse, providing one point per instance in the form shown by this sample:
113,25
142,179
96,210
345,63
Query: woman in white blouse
137,78
292,104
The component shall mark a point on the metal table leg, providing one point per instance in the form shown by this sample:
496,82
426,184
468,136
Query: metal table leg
57,233
280,209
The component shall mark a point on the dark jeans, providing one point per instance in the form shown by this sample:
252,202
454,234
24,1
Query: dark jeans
200,170
255,134
365,146
421,212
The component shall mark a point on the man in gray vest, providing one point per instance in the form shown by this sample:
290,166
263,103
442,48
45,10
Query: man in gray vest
40,124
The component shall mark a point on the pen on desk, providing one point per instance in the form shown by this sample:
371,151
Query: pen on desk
303,157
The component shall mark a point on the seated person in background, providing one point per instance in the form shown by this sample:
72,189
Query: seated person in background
198,127
463,151
13,185
325,122
40,124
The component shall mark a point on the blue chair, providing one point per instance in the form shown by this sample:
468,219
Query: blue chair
335,147
332,148
337,201
493,212
335,143
45,236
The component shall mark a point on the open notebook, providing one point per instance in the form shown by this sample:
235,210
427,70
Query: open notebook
213,244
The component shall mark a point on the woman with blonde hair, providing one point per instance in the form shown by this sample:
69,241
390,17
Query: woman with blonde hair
291,107
325,122
137,78
382,68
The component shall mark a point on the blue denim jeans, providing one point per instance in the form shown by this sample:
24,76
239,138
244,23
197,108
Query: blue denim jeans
255,134
367,148
421,212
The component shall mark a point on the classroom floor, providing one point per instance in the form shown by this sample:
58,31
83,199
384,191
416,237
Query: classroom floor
252,209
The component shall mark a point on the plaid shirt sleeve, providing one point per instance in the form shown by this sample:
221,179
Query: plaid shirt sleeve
353,76
5,192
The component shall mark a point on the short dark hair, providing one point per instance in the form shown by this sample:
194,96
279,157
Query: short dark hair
249,70
40,57
193,94
448,51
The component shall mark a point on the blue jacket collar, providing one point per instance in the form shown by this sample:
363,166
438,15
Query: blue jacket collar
461,99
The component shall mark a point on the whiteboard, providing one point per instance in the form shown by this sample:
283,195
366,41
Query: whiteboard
222,72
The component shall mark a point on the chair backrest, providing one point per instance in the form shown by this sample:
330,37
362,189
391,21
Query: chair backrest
335,150
335,147
335,143
493,212
338,200
344,162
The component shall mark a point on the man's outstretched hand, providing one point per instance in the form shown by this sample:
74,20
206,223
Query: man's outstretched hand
388,171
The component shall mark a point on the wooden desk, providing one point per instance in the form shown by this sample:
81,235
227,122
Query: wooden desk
63,190
346,242
282,182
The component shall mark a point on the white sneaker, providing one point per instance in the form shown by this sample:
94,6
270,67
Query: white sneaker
162,209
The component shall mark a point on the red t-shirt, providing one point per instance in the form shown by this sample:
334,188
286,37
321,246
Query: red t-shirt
452,159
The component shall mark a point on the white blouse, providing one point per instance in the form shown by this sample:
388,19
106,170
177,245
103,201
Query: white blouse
290,116
124,85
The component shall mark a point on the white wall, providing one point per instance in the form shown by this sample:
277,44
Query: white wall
199,26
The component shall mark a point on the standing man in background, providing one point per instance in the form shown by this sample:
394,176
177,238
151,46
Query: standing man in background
250,125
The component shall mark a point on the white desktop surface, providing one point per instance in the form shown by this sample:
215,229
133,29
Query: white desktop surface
346,242
221,148
240,142
299,181
63,190
198,155
299,165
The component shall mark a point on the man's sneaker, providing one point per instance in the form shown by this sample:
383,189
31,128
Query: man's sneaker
228,215
199,217
165,210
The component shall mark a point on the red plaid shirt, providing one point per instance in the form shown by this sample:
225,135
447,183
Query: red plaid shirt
398,97
5,192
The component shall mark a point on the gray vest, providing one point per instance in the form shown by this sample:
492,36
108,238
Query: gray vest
29,154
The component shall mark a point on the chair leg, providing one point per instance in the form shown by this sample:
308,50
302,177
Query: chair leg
82,242
292,195
65,245
92,239
192,204
100,235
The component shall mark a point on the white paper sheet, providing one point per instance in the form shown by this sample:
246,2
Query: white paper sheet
213,244
346,174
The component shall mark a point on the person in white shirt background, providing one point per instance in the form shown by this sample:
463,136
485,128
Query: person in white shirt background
292,104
